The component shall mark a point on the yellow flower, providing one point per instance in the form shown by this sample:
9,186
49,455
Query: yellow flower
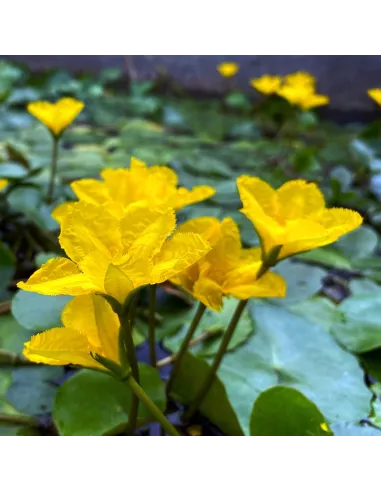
300,79
228,69
90,326
114,256
293,217
156,185
227,269
56,116
375,94
267,84
3,183
303,96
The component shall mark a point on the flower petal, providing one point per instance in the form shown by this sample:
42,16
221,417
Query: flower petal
339,221
60,346
186,197
90,190
269,285
299,199
117,284
58,276
87,228
178,254
209,293
208,227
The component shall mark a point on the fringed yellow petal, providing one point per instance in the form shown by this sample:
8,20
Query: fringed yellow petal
87,228
257,196
60,346
107,323
269,285
178,254
78,315
126,186
58,276
339,221
208,227
267,84
90,190
56,116
62,211
184,197
117,284
300,79
209,293
299,199
375,94
227,69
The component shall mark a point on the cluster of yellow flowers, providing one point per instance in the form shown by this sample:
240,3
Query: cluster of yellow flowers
121,234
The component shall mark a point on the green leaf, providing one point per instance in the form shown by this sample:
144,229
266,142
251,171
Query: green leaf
37,312
7,266
215,406
12,335
303,281
33,388
359,243
359,327
289,350
12,170
93,403
282,411
326,256
319,310
213,322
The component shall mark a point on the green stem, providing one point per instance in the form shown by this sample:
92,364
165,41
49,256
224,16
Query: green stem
153,409
10,420
53,169
208,381
185,344
126,319
151,324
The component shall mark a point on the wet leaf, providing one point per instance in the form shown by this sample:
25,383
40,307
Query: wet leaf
37,312
283,411
94,403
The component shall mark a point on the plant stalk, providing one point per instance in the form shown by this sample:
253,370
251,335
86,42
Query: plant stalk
154,410
151,324
208,381
185,344
53,169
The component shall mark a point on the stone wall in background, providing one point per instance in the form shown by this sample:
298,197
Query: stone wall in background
344,78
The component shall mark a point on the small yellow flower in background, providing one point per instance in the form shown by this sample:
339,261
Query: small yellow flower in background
3,183
114,256
90,325
267,84
324,427
300,79
303,96
228,69
293,217
56,116
227,269
156,185
375,94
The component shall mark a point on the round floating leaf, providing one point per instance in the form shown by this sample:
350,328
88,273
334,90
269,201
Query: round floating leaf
93,403
33,388
282,411
12,170
303,281
12,335
7,266
215,406
290,350
359,243
214,323
37,312
359,327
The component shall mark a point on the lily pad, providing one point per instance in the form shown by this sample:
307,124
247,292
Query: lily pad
283,411
93,403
